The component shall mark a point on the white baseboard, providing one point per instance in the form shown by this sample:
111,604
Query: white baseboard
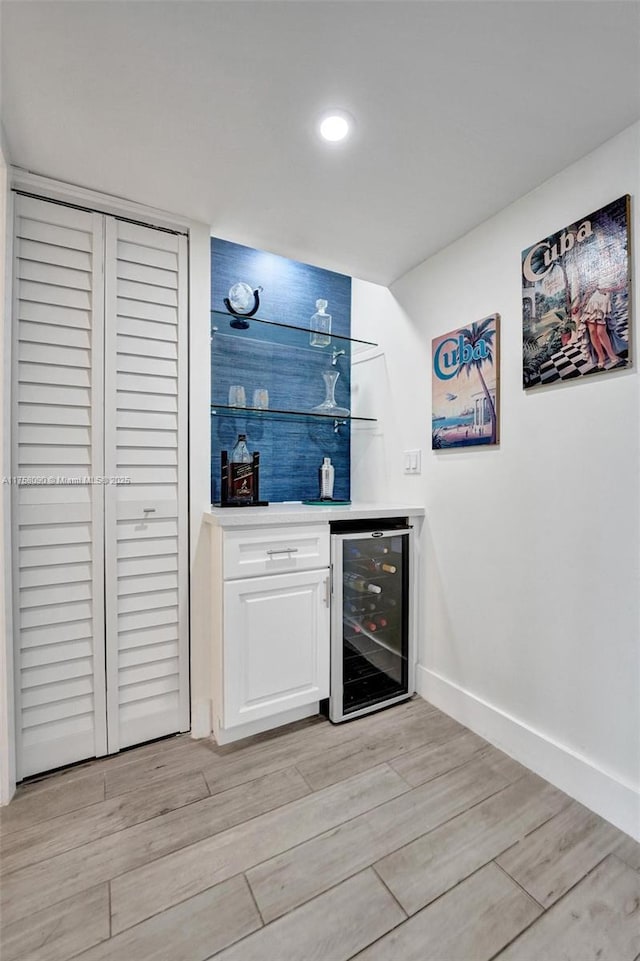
615,800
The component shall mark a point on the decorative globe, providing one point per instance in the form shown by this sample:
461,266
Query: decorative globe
241,297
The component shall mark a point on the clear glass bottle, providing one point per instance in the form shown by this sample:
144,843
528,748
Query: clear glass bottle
241,472
320,325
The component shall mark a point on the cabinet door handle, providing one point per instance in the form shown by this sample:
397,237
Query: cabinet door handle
285,550
327,591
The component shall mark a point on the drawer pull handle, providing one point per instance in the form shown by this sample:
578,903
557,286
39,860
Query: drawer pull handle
285,550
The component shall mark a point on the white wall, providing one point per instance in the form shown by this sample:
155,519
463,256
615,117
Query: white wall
531,624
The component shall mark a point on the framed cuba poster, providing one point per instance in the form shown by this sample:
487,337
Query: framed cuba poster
465,379
576,299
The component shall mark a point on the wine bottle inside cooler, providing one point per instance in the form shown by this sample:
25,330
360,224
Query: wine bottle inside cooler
360,606
380,621
360,584
382,564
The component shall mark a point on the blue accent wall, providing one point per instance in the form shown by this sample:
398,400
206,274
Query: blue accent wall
291,451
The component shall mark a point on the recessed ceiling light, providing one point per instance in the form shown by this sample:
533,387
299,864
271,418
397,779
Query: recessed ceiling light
335,125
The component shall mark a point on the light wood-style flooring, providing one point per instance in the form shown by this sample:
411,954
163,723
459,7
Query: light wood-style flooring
397,837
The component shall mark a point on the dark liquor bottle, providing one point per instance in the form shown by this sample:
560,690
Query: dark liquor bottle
360,584
241,473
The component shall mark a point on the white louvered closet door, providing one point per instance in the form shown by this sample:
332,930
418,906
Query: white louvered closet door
58,570
146,519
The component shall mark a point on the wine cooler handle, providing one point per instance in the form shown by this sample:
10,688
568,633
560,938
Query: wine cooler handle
284,550
327,591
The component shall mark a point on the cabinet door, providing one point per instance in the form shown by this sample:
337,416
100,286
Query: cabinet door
276,644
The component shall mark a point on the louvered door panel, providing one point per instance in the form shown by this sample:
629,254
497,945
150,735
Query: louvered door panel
145,443
57,511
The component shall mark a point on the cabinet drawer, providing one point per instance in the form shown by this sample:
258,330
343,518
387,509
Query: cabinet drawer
275,550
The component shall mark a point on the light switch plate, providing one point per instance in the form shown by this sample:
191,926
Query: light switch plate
413,462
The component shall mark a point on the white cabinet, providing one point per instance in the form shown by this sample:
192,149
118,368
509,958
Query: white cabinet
271,631
276,644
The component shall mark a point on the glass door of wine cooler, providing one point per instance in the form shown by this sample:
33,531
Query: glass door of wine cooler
370,632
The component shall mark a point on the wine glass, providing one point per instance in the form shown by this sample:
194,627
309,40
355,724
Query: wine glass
261,398
237,396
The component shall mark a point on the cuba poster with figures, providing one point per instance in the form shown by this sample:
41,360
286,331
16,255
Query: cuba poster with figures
465,386
576,299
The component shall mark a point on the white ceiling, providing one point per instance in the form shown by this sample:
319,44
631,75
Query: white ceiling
207,109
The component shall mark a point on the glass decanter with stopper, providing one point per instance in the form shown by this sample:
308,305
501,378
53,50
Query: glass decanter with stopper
320,324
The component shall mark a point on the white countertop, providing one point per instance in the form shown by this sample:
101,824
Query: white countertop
297,513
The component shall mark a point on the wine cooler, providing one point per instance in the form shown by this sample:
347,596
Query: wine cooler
371,643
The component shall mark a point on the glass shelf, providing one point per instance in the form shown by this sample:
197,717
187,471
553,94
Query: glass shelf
275,414
287,335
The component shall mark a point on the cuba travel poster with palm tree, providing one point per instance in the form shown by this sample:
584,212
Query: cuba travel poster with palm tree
465,386
575,299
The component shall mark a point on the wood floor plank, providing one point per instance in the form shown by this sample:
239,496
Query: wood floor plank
435,758
294,749
51,794
154,768
423,870
293,877
141,752
628,851
66,874
190,931
49,838
555,857
470,923
59,932
332,927
224,770
598,920
40,802
144,892
300,746
83,784
371,748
